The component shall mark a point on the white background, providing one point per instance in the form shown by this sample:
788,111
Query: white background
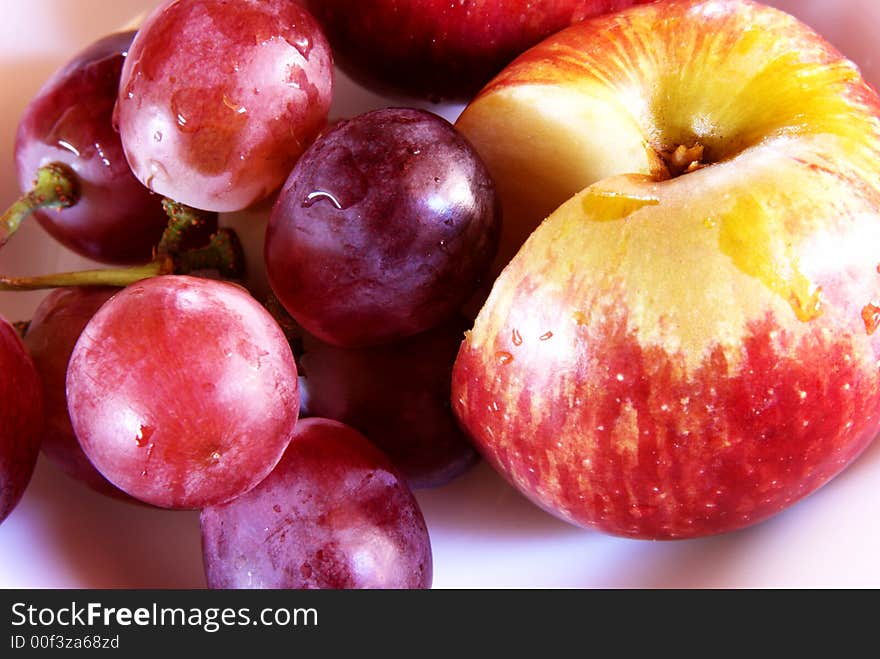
483,533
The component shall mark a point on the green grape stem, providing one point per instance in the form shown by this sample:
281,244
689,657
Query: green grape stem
222,254
181,220
55,187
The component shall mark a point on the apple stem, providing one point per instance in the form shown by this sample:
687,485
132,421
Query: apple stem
670,163
55,186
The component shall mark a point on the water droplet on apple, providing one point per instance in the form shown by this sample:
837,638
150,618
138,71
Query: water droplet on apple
504,358
517,338
871,317
546,336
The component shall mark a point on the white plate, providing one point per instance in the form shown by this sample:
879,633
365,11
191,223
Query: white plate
484,534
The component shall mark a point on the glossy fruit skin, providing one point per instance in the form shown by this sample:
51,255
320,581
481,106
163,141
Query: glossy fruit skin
441,49
384,229
69,121
334,514
674,359
183,391
21,418
397,395
219,99
54,329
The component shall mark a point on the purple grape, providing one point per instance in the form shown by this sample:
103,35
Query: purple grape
56,325
397,395
69,122
333,514
21,418
383,230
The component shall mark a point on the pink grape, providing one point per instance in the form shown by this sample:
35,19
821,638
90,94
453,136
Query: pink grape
218,99
334,514
69,121
21,418
183,391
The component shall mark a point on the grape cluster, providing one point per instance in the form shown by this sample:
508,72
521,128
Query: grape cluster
163,384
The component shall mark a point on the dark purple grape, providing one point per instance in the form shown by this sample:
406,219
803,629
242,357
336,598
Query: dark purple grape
334,514
116,219
218,99
397,395
183,391
383,230
56,325
21,418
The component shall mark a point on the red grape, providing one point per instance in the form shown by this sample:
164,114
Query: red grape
218,99
53,331
397,395
183,391
383,229
21,418
116,219
333,514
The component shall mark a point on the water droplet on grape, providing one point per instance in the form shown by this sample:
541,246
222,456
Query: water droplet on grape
143,436
238,108
157,136
504,358
67,146
185,104
320,195
156,169
276,508
302,43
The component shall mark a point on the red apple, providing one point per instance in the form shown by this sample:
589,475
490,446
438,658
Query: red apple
688,345
438,48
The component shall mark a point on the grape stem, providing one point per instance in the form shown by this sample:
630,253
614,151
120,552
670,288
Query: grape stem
293,331
21,327
54,187
181,220
222,254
